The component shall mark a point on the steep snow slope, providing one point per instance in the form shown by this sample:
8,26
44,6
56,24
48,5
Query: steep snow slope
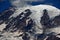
37,13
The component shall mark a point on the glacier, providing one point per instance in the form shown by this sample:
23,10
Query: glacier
15,18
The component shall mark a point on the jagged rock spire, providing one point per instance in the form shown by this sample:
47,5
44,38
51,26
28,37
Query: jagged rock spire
45,19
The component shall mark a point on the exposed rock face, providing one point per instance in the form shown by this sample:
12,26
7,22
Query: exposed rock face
19,22
53,37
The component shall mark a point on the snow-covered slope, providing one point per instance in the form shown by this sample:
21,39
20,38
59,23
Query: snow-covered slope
37,13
